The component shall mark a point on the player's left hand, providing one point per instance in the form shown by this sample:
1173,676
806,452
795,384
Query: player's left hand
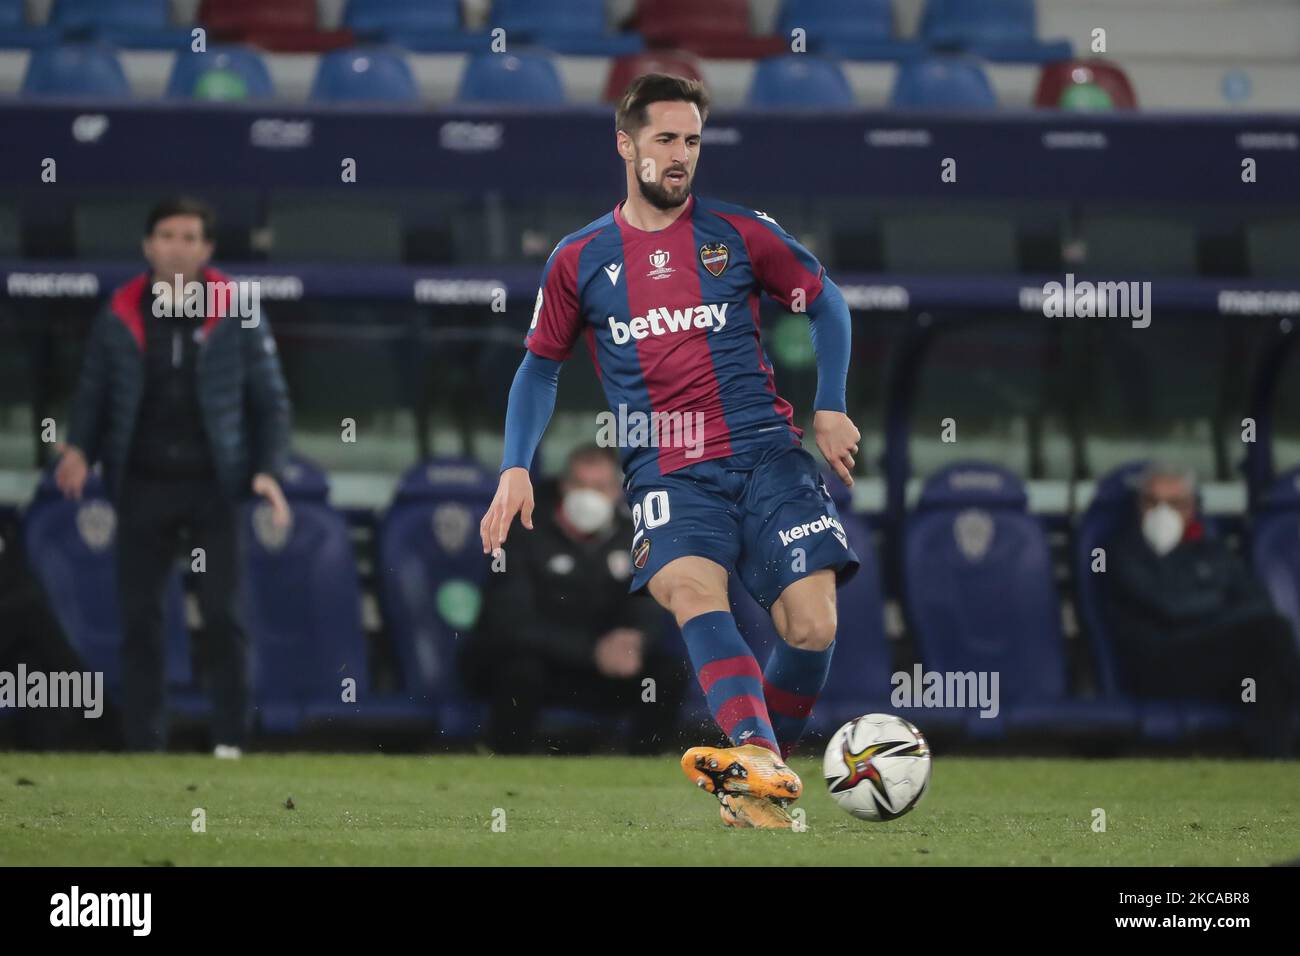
837,438
269,488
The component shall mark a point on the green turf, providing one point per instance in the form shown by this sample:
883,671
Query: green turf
355,810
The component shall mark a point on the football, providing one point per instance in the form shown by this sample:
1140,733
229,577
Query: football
877,767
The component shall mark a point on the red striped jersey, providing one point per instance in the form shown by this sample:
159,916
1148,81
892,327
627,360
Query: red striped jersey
671,319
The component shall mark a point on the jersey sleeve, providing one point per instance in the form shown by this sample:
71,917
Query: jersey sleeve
557,315
782,267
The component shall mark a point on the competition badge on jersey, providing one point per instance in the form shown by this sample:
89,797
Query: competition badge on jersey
641,553
714,256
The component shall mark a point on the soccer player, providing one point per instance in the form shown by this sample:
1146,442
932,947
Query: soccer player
665,291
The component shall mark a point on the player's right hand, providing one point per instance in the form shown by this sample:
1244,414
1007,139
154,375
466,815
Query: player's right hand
514,495
71,473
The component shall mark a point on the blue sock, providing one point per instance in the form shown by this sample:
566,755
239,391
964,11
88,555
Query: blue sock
730,678
793,679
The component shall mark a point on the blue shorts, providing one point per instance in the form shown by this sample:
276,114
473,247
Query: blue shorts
765,514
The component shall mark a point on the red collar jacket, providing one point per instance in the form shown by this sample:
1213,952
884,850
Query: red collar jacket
241,390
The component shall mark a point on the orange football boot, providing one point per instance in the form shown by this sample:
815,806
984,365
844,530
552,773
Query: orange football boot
750,769
741,810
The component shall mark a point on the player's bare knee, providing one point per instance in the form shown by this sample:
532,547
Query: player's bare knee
686,598
811,631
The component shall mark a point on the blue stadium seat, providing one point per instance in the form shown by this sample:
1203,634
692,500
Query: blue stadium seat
381,18
1000,30
524,78
364,74
429,26
431,572
75,70
15,32
302,608
142,24
243,62
1112,504
942,83
575,27
71,549
799,81
981,596
850,29
1275,544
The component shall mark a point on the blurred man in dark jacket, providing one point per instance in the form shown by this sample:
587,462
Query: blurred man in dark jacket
559,627
1191,622
188,412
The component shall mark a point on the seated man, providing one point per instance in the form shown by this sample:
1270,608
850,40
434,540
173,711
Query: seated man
1190,622
559,626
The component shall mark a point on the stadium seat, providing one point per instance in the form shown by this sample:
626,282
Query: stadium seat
15,33
143,24
948,242
625,69
1132,244
431,572
1082,85
364,74
70,546
522,77
574,27
1112,504
10,232
1273,248
850,29
97,231
981,596
430,26
719,29
998,30
89,69
799,81
302,607
221,73
286,26
1275,544
942,83
308,229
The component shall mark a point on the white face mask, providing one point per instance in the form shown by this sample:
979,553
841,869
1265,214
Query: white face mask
1162,526
588,510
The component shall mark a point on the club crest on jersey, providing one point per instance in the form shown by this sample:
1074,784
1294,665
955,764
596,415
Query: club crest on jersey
641,553
661,270
714,256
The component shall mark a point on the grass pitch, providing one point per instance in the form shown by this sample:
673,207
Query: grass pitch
101,809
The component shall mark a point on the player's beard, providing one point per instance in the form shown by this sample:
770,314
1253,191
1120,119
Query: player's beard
660,196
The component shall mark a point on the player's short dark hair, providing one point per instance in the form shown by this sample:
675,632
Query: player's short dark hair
590,453
182,206
649,88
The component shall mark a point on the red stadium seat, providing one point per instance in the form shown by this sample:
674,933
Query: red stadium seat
1057,79
627,68
717,29
287,26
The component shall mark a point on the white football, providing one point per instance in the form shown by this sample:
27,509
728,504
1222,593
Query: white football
877,767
